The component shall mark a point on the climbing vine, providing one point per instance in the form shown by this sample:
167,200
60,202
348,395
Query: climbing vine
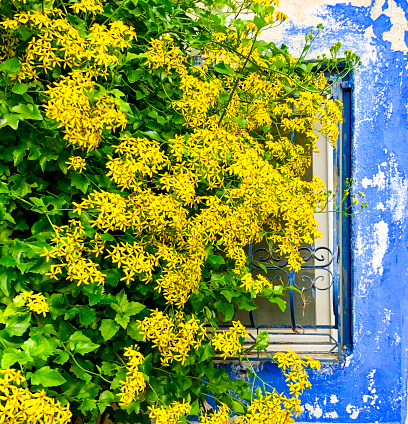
144,145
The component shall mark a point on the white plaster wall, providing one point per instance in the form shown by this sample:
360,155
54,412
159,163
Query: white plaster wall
308,13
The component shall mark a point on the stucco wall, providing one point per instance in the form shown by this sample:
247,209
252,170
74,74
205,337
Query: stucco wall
371,386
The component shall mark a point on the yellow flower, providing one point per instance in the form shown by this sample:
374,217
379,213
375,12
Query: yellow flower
36,302
170,415
228,342
77,163
135,382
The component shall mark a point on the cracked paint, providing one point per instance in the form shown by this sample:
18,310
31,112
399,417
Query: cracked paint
353,411
380,244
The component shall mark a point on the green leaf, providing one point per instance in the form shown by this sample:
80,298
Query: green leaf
38,347
240,121
223,68
46,377
81,344
108,329
28,111
229,312
8,341
123,320
10,66
10,119
79,182
206,351
237,406
280,302
87,405
133,308
58,304
87,316
106,399
216,260
46,157
11,356
244,302
6,278
18,156
62,357
7,261
18,324
134,332
262,341
19,88
121,303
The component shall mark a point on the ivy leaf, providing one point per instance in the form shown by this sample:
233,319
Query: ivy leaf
245,303
18,324
106,399
123,320
108,329
80,373
262,341
46,377
121,302
27,111
229,312
206,351
133,308
10,119
10,66
8,341
19,88
280,302
81,344
87,316
6,277
87,405
216,260
223,68
134,331
62,357
79,182
11,356
38,347
58,304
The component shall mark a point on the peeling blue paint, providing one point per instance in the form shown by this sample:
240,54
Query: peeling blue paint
371,386
381,25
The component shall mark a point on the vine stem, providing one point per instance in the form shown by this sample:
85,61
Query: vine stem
237,79
83,369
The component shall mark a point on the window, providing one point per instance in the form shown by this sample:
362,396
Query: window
318,319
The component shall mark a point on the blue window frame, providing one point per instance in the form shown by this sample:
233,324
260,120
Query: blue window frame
332,340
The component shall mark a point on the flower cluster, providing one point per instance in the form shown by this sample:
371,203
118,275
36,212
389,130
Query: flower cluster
19,405
229,342
69,246
169,415
249,283
173,336
36,302
92,6
272,408
135,382
139,158
76,163
58,43
294,369
83,122
221,416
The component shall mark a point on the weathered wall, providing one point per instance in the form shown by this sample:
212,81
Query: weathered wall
371,386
